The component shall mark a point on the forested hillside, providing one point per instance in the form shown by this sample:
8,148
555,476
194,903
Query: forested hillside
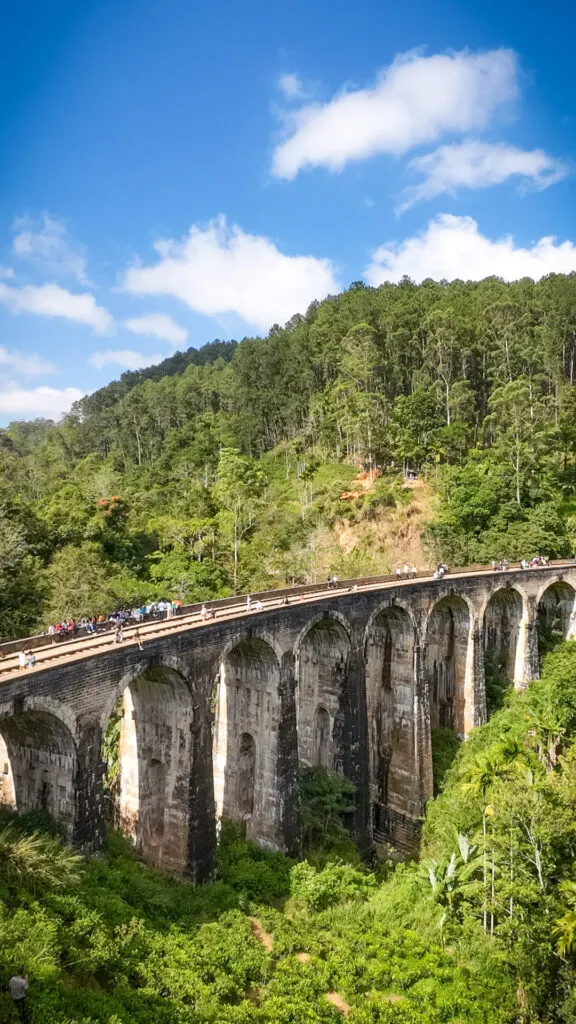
482,930
223,469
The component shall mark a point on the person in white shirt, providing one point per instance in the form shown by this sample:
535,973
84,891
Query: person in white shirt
21,659
258,606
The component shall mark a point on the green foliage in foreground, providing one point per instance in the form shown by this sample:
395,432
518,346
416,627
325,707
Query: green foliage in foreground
126,945
481,930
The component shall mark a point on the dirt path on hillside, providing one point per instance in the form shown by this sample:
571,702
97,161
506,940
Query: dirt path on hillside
336,999
260,935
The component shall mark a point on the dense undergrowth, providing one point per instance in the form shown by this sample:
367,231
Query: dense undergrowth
480,931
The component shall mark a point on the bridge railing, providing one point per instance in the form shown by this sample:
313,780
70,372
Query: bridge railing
266,596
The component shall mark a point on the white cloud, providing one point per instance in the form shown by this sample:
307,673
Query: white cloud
125,358
291,87
41,401
52,300
224,270
474,164
7,273
47,244
159,326
452,247
413,102
24,365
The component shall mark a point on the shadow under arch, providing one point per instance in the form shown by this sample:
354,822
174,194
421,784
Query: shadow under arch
501,625
447,638
555,609
390,639
38,762
245,751
322,702
154,715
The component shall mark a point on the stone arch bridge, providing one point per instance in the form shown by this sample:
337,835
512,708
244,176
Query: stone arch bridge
214,718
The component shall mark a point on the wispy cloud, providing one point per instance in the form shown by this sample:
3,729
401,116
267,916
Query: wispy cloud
474,164
414,101
42,401
53,301
291,87
47,244
24,365
158,325
126,358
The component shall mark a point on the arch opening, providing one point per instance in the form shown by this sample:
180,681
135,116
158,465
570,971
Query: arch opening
501,629
147,751
321,709
554,616
390,704
246,739
38,766
322,738
246,769
447,638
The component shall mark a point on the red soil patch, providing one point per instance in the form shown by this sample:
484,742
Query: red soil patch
364,483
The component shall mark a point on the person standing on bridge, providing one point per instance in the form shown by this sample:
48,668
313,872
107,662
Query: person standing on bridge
21,659
118,634
248,603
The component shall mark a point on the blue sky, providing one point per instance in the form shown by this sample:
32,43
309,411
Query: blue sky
174,172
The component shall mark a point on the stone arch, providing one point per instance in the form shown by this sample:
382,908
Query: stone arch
248,706
447,644
502,621
154,765
38,762
390,638
246,774
329,614
322,655
321,746
555,610
137,669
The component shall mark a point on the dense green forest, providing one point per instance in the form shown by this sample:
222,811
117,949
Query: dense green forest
219,469
482,930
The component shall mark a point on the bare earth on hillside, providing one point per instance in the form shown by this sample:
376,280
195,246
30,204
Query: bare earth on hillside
395,535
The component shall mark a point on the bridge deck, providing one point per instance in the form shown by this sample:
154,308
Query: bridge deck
64,652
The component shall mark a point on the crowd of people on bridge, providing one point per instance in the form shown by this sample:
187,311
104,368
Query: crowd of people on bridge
69,629
539,561
408,572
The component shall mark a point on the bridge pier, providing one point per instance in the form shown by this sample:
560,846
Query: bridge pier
526,667
89,831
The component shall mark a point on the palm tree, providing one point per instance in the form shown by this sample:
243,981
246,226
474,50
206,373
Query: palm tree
503,762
